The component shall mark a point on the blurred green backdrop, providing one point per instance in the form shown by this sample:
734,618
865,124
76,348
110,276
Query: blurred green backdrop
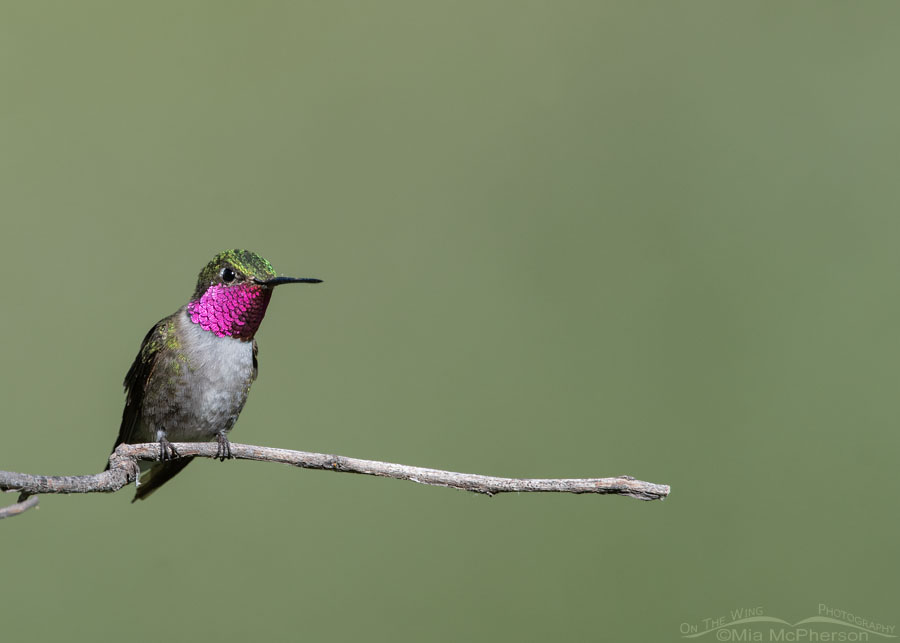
558,239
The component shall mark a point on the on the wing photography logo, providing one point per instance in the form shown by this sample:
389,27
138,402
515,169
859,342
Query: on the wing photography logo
753,624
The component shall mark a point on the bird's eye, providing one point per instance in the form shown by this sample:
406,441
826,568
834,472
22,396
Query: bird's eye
228,275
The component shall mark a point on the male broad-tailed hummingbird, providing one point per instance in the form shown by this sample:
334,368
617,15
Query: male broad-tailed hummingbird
192,375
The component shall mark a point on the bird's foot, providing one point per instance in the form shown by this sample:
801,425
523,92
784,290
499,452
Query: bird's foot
166,450
223,450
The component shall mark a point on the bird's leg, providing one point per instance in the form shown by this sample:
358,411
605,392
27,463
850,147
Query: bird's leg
166,450
223,450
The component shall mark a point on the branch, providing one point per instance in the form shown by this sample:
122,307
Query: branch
24,504
123,470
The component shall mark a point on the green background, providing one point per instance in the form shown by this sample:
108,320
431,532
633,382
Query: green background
558,239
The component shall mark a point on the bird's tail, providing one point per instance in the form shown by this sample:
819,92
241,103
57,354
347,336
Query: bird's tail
159,474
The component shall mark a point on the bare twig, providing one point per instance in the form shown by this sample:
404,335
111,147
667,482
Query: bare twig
123,470
18,507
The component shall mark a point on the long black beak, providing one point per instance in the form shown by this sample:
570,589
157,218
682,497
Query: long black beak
277,281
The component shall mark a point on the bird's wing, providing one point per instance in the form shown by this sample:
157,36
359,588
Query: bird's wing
138,376
255,363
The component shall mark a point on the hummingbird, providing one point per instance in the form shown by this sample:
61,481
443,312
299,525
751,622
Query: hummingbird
193,372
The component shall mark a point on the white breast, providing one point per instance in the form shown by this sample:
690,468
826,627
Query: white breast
219,373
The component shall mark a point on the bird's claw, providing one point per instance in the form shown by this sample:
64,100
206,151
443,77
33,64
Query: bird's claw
223,450
166,450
